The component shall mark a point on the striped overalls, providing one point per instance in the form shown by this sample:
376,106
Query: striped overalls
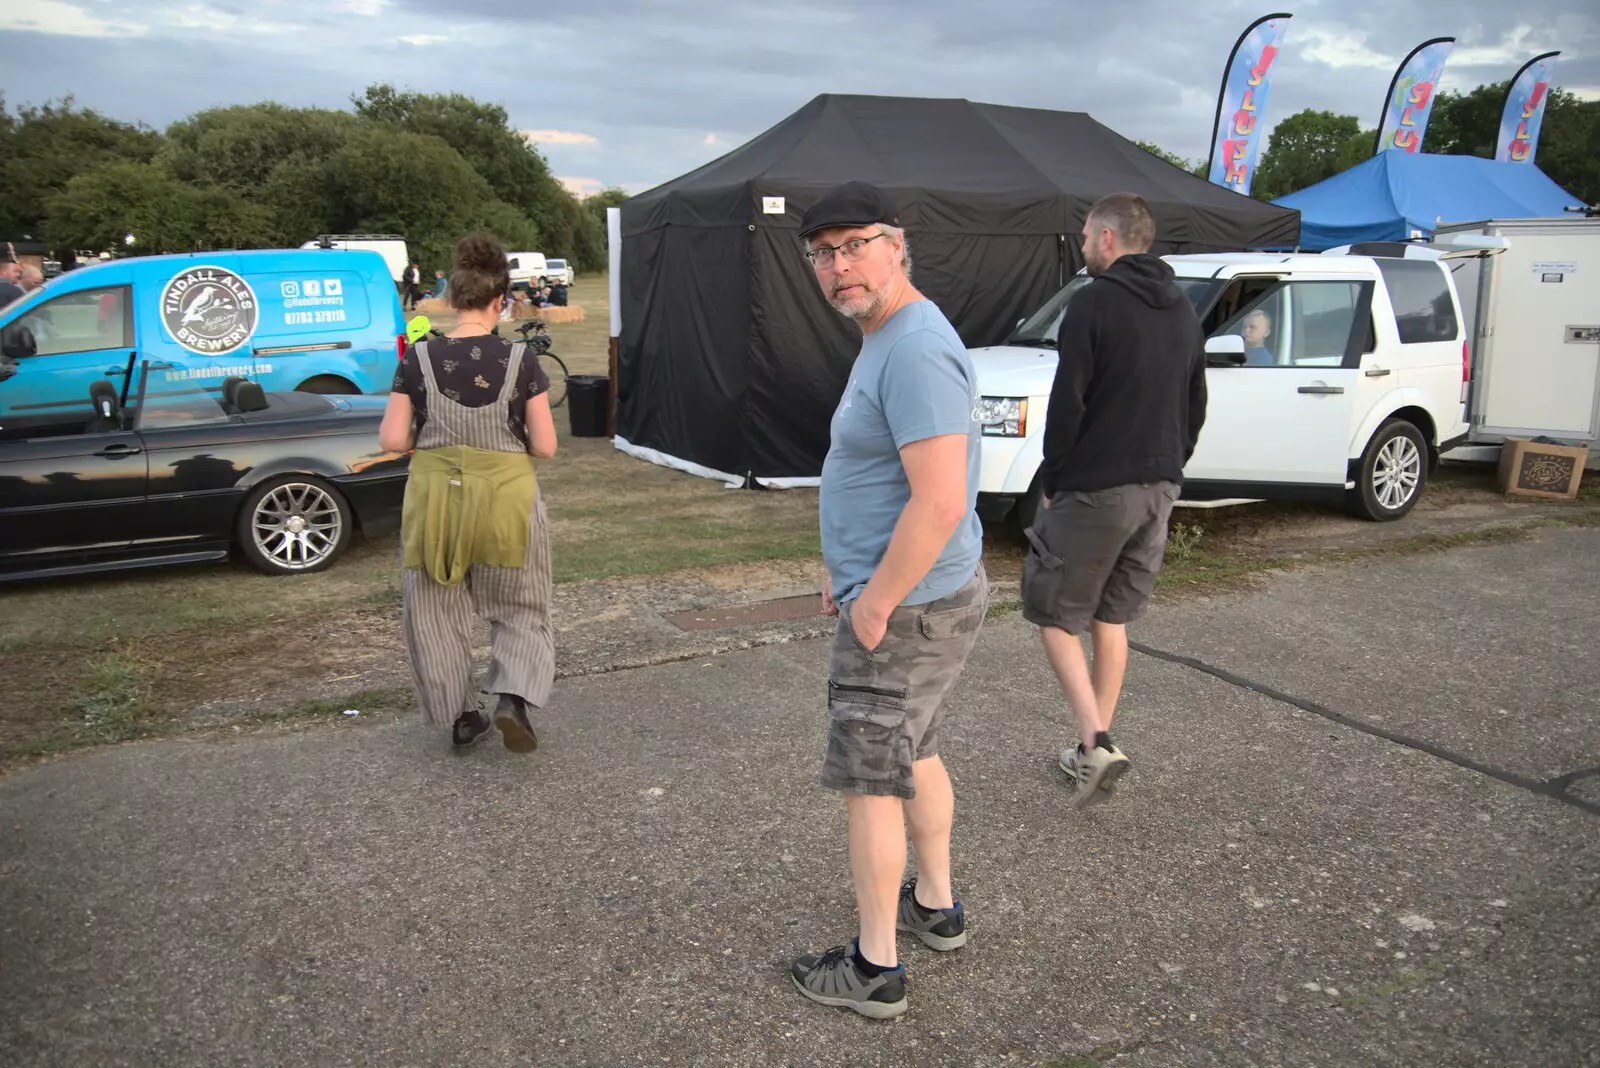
515,601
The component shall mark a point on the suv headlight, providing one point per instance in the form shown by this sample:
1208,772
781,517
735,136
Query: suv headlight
1004,417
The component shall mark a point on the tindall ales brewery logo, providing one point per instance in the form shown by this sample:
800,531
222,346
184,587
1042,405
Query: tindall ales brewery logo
209,310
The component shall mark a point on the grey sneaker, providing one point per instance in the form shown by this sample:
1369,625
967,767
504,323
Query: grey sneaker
941,929
1095,772
1069,762
833,979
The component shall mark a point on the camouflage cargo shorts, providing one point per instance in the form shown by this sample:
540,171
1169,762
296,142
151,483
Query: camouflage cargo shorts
885,706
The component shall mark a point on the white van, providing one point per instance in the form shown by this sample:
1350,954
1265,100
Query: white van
527,267
392,247
1358,385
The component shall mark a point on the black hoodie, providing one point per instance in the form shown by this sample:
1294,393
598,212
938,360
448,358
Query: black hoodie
1130,391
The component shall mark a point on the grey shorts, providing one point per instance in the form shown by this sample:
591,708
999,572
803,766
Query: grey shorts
885,706
1096,555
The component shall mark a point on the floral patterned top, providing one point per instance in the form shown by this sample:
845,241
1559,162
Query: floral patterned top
471,372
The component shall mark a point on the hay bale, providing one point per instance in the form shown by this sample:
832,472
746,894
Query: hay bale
552,314
572,313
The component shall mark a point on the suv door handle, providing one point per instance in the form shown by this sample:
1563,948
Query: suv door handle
1377,372
119,450
1324,390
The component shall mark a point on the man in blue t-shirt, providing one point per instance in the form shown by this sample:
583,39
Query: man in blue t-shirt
902,543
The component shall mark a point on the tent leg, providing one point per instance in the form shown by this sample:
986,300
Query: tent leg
611,404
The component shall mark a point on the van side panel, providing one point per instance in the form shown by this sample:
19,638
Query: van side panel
324,315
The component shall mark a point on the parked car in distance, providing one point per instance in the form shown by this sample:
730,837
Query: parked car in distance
558,270
182,474
1336,377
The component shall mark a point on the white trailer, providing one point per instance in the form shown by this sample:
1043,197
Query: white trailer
1535,336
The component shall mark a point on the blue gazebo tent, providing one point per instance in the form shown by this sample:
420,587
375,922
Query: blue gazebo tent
1395,193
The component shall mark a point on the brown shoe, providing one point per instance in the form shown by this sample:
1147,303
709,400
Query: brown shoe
511,716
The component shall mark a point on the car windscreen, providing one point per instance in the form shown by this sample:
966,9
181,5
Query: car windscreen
1041,327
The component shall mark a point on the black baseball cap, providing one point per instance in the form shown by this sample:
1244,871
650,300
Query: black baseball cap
850,204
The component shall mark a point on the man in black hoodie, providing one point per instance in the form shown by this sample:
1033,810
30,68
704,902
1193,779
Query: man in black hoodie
1125,412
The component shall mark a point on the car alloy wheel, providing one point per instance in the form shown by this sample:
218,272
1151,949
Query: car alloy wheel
1397,473
297,526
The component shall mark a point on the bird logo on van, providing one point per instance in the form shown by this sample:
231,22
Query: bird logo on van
209,310
207,301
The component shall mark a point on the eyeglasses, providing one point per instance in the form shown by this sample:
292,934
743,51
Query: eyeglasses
853,249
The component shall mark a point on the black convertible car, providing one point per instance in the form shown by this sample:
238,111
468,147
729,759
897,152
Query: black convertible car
172,472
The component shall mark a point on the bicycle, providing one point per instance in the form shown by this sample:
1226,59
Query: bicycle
538,339
554,367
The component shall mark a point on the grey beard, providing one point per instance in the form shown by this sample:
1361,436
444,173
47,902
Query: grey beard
860,313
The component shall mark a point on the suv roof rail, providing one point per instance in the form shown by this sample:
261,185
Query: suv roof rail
1450,246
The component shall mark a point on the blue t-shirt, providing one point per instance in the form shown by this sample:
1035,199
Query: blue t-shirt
912,381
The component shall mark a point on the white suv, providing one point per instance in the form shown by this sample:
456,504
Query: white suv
557,270
1353,380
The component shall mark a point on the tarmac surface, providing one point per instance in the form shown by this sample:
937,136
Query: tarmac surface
1390,857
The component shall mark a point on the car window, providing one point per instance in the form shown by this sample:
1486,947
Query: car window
1241,295
168,405
1420,293
85,321
1041,327
1292,324
1322,315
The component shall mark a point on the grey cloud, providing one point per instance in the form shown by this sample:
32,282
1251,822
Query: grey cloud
651,80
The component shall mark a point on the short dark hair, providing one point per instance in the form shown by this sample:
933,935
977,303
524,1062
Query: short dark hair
1128,216
480,273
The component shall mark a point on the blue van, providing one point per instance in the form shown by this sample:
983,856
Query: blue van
316,320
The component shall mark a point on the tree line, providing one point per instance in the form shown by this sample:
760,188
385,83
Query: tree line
435,166
1312,145
431,167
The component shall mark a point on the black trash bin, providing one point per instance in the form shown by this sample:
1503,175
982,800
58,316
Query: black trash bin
588,398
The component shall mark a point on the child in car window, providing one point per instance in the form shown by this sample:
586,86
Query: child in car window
1255,328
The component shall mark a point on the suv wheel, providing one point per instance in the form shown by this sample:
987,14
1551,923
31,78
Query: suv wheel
1393,473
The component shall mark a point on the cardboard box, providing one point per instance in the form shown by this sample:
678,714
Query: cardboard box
1534,469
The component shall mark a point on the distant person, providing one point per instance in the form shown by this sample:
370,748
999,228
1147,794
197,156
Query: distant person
441,286
10,276
1125,411
1255,328
473,532
409,279
903,548
558,294
32,278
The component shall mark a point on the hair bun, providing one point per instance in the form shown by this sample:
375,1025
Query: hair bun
481,253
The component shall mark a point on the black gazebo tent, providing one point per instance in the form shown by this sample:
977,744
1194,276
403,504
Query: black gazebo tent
731,362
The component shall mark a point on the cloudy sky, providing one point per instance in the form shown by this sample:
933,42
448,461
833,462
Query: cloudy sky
631,93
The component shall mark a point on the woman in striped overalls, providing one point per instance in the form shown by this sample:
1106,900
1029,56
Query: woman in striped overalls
473,528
